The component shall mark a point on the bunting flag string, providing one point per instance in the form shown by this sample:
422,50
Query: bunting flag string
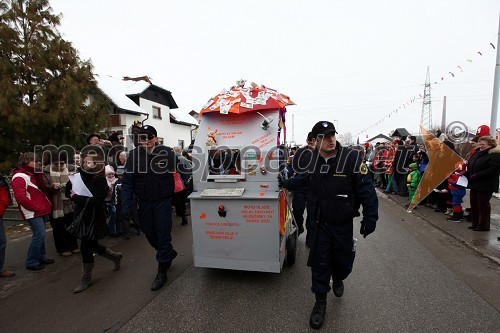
412,100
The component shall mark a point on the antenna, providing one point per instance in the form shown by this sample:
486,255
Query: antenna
426,115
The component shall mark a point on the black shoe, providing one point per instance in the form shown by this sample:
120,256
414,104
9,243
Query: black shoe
318,314
338,288
35,268
184,221
160,280
48,261
481,229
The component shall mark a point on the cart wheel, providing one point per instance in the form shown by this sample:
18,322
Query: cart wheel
291,249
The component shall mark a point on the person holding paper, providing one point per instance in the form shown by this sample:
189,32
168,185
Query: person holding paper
92,176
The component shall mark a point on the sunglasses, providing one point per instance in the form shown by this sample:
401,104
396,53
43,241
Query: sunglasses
145,137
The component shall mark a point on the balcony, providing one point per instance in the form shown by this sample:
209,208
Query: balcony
117,120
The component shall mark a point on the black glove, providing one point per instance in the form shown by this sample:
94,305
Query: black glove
280,181
366,228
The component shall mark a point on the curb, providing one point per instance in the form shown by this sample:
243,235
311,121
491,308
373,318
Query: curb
494,260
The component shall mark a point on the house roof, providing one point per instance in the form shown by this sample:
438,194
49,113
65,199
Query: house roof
379,136
138,85
401,132
115,89
183,117
118,90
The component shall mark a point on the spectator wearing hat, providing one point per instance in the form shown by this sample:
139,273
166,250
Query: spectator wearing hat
480,132
483,171
149,174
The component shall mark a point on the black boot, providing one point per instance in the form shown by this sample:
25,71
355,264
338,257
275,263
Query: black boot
318,313
456,217
184,221
161,278
338,287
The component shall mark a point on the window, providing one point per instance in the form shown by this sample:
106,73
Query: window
156,112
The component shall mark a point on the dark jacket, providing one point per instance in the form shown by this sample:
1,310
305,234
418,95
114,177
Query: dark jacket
483,170
297,170
149,176
95,212
336,188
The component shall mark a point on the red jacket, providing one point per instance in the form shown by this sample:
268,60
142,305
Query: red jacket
4,200
28,192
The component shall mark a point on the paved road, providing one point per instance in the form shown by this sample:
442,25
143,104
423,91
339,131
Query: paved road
43,301
409,276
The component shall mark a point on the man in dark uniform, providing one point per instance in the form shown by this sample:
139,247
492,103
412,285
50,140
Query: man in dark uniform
298,171
337,184
149,174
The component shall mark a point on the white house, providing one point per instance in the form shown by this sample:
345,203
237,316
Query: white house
138,99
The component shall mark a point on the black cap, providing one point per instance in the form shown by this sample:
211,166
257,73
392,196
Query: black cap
91,136
323,127
148,129
310,136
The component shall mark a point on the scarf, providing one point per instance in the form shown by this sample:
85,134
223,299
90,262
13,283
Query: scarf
60,204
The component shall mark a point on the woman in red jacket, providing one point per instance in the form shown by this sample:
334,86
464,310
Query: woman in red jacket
4,203
29,192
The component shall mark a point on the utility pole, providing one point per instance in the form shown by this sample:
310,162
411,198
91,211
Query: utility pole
443,116
426,115
496,88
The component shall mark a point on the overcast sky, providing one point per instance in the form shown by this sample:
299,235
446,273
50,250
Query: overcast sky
352,61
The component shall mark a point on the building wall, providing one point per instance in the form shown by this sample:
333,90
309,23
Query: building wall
169,132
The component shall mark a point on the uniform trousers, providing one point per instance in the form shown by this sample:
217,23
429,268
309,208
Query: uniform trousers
333,255
156,223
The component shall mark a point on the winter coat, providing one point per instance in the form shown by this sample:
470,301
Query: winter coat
4,197
29,193
483,170
95,212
